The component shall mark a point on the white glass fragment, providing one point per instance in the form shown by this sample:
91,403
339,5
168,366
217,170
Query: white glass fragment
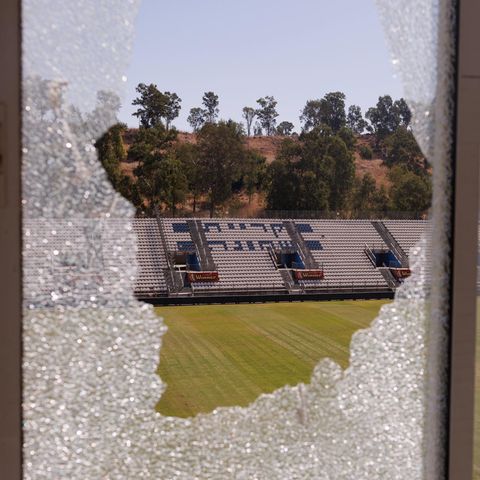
91,349
422,42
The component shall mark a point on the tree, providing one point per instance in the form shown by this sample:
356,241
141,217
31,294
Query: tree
257,130
297,178
282,185
333,110
380,200
404,112
107,100
312,192
330,110
388,115
221,153
292,188
149,142
343,172
365,152
348,137
367,197
171,182
314,151
172,108
355,120
111,151
285,128
254,173
383,117
40,95
249,114
402,149
210,102
236,127
311,115
155,106
152,105
188,154
150,148
267,114
103,116
409,192
196,119
364,193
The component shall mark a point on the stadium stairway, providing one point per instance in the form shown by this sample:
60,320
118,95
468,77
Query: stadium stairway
289,282
173,279
392,282
391,243
299,243
199,238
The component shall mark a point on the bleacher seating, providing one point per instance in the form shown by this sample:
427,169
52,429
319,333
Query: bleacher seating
66,262
151,259
241,250
342,256
407,232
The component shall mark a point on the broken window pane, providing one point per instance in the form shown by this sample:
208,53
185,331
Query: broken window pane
91,349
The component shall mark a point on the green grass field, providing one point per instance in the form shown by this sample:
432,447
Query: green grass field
264,347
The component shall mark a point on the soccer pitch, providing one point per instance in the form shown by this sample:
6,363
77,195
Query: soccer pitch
224,355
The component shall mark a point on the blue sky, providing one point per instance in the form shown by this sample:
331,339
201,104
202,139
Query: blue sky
246,49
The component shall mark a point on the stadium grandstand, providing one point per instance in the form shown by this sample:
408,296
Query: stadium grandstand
191,260
219,260
183,261
215,260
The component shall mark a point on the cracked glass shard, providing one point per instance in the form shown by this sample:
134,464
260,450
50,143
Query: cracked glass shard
91,349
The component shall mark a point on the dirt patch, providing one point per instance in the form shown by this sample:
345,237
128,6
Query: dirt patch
375,167
127,168
266,146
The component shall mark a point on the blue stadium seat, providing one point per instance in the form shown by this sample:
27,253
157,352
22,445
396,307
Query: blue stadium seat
212,243
313,244
264,243
186,246
238,246
276,228
209,225
180,227
259,225
304,228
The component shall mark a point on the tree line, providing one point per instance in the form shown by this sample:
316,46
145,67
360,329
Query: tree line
155,106
313,170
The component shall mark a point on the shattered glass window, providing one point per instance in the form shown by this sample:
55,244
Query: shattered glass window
91,349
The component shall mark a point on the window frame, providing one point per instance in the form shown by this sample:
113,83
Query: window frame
10,242
464,243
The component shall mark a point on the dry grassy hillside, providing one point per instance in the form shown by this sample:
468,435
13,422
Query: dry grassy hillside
269,146
375,166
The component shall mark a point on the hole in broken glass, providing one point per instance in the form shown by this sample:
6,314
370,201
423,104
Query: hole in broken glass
182,163
89,360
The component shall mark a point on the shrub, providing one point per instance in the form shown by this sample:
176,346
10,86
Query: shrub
366,152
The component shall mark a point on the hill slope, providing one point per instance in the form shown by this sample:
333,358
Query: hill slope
269,146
